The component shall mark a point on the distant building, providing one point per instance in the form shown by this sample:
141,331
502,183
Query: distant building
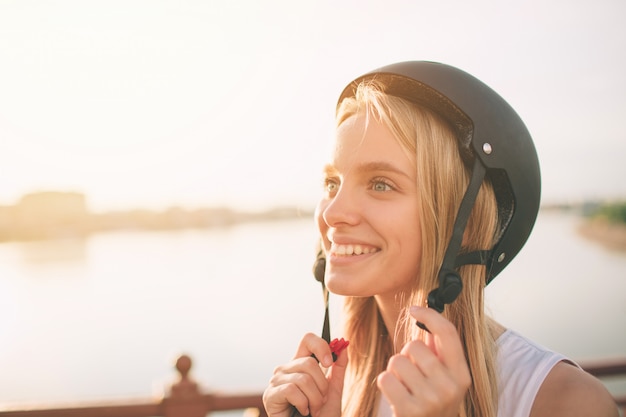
50,214
6,221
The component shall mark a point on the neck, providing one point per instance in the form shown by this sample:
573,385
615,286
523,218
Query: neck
390,309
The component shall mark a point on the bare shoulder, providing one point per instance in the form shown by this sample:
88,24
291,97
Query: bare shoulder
570,391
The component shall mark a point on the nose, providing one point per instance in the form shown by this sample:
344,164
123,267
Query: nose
343,208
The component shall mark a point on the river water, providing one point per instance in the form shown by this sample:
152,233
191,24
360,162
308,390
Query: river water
105,318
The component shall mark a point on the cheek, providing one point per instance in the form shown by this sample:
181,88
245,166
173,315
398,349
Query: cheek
408,270
410,251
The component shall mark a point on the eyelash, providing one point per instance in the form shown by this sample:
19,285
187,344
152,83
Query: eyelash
380,180
333,182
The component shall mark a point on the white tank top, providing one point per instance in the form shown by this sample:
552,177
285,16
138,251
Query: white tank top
522,366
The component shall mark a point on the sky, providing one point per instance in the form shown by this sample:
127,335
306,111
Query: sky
159,103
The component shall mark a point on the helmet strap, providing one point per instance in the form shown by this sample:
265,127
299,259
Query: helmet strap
319,268
450,284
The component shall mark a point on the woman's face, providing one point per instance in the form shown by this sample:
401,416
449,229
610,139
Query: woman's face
368,217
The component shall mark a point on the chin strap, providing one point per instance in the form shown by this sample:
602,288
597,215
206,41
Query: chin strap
319,267
450,284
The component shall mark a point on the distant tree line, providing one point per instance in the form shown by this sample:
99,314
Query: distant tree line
613,212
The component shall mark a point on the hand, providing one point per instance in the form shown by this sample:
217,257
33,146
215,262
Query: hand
305,384
427,378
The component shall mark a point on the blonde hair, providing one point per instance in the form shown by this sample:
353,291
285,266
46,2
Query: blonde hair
442,180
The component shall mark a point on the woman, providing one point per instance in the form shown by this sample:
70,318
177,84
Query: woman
432,188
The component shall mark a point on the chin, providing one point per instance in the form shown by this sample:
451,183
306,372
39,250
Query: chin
344,286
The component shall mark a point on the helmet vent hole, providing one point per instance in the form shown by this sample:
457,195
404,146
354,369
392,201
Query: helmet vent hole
501,257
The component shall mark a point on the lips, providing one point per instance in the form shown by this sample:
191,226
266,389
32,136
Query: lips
351,249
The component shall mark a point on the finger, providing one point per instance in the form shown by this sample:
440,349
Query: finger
444,340
405,371
334,393
312,344
423,358
304,372
304,389
337,372
280,400
429,397
392,388
416,379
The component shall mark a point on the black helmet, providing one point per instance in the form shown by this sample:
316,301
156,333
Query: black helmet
492,137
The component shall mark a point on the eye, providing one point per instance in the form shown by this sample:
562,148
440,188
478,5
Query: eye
381,185
331,185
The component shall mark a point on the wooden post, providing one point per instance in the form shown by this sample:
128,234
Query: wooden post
185,400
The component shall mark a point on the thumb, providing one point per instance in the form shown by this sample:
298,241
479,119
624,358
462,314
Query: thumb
336,376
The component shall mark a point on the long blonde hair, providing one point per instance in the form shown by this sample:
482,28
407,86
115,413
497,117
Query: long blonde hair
442,180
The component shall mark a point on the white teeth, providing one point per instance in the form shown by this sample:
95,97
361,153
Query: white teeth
348,250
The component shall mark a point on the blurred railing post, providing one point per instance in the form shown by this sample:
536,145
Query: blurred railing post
184,399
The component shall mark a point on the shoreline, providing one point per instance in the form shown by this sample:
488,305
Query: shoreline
610,235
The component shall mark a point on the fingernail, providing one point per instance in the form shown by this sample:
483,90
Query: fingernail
414,309
328,360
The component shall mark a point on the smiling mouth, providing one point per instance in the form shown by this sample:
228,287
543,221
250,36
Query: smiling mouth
351,250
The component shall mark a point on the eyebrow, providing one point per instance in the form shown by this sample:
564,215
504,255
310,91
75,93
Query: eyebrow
330,169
